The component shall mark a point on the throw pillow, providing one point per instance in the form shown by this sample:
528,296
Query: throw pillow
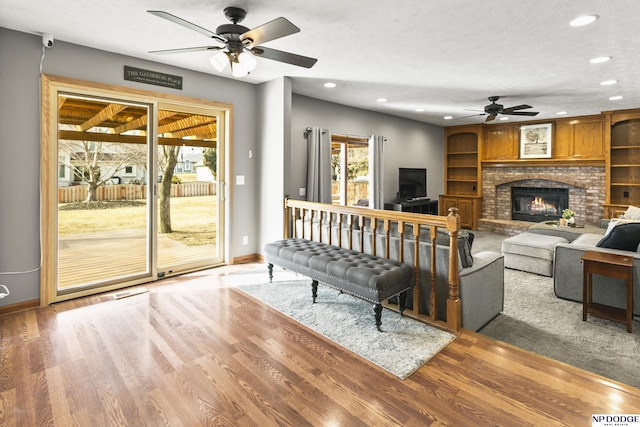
465,240
632,212
614,222
465,252
624,236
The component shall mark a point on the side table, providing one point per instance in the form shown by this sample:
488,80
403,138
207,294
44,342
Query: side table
611,265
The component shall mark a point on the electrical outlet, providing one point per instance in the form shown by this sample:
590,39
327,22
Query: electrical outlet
303,191
245,240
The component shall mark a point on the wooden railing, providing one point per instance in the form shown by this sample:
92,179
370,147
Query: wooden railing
78,193
343,217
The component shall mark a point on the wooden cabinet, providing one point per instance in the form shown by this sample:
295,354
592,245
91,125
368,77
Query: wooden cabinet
469,209
623,163
574,138
579,138
502,143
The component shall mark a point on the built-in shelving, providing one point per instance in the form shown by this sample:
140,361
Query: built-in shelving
623,171
463,174
462,164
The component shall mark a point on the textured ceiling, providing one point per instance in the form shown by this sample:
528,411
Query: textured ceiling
446,57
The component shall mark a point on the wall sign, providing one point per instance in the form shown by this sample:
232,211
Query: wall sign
152,77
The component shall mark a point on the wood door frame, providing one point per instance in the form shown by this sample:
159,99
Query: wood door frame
51,85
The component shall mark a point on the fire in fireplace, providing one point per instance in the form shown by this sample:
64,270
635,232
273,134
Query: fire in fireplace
538,204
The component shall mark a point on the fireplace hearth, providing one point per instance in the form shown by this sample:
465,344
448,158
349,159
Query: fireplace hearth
536,204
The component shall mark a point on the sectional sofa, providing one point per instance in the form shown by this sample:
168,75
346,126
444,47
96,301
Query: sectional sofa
623,239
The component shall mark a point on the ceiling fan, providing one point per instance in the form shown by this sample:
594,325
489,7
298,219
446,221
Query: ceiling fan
492,110
238,45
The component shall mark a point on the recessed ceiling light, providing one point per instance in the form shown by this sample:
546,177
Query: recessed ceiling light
504,118
419,110
448,117
561,113
615,98
583,20
600,59
381,99
608,82
329,85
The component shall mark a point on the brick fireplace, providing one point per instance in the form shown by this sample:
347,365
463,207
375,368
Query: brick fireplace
586,185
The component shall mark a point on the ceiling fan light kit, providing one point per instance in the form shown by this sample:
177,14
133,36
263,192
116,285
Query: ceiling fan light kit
241,64
219,60
240,45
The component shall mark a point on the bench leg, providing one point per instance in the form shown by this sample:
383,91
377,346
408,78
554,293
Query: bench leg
402,299
270,268
377,308
314,290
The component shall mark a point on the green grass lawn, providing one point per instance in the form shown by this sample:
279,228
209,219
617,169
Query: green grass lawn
192,218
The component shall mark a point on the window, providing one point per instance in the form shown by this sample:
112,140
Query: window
62,168
81,173
350,170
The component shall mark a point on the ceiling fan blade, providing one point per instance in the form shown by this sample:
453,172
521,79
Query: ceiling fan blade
272,30
289,58
471,115
518,107
521,113
490,117
172,18
186,49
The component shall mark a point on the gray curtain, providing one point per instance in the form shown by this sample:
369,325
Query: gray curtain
318,165
376,171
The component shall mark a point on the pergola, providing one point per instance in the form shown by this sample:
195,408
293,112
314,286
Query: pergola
125,123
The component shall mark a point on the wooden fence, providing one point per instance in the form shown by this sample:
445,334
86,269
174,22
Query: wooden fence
78,193
355,191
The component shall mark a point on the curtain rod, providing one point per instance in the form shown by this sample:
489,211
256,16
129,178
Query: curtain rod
347,136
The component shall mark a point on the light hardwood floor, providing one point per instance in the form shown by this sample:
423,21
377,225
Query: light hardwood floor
193,352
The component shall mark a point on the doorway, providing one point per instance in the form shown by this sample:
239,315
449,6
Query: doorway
133,187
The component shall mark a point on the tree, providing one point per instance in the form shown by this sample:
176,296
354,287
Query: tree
168,163
210,160
98,162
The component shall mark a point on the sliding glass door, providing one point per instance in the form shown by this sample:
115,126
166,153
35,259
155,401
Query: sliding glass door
133,188
104,233
189,196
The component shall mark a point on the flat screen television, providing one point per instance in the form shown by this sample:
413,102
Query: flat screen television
413,183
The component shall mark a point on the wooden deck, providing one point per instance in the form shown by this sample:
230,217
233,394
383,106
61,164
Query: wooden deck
95,257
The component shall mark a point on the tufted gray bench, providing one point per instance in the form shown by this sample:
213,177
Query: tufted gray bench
365,276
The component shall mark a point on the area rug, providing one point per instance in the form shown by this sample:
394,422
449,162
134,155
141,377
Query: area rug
402,348
536,320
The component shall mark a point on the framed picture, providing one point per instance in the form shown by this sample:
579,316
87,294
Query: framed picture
535,141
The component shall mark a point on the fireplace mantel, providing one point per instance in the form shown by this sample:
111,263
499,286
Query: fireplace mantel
540,163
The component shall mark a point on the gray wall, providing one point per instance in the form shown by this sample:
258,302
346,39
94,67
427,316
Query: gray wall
20,55
409,143
268,121
274,135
